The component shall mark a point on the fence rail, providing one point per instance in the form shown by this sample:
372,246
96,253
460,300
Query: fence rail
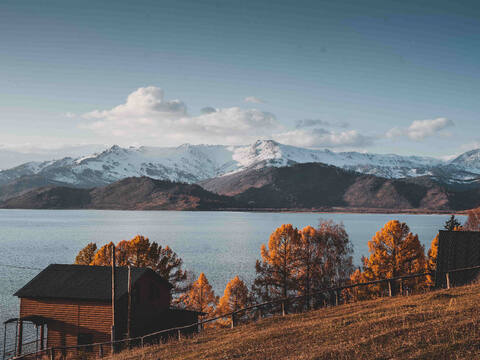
176,332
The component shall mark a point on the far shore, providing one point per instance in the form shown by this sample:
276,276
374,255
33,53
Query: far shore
332,210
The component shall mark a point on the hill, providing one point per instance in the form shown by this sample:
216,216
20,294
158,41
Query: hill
129,194
437,325
317,186
310,186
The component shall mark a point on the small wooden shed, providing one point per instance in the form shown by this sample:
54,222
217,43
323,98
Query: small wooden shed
457,250
72,305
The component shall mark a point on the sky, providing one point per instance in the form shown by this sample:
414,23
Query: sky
373,76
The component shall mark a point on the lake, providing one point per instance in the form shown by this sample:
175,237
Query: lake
220,244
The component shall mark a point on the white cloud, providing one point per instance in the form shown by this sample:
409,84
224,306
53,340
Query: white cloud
420,129
299,124
147,115
69,115
324,138
253,99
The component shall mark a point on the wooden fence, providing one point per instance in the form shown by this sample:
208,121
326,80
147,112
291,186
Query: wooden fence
97,350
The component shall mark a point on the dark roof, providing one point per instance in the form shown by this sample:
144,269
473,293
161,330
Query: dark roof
82,282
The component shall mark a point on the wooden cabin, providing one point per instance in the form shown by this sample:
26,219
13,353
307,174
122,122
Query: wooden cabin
457,250
72,305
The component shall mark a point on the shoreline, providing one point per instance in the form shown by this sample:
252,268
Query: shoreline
333,210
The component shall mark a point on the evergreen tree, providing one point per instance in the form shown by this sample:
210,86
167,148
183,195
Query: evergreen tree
452,223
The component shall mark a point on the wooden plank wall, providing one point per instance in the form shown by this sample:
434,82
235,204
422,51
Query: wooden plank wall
69,318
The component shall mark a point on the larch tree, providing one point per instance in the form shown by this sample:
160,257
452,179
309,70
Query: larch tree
103,257
86,255
359,292
473,220
200,296
394,251
235,297
140,252
431,263
323,258
308,257
275,273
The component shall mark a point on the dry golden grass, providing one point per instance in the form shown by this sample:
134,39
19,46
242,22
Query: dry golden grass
438,325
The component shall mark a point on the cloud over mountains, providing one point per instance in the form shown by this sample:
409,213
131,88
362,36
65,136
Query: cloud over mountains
148,116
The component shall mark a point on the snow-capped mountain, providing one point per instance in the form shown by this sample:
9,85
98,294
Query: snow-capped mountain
469,161
193,163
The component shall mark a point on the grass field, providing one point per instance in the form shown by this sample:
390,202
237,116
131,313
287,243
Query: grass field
438,325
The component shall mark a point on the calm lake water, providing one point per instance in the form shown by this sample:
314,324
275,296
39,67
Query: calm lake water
220,244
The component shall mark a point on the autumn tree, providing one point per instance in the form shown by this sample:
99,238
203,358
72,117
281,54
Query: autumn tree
139,252
473,220
235,297
200,297
275,272
394,251
431,263
323,257
86,255
358,292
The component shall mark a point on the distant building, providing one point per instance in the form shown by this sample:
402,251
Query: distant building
457,250
72,305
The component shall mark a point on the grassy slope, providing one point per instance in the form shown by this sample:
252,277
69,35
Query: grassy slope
439,325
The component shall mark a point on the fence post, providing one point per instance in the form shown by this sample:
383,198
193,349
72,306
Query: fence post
233,320
337,297
141,341
260,313
100,351
447,275
179,335
52,353
390,288
283,307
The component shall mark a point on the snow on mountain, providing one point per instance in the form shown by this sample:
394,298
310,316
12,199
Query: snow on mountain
390,166
193,163
469,161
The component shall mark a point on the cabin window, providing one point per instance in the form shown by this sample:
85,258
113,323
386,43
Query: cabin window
85,339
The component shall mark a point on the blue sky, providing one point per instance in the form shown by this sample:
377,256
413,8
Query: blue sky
377,76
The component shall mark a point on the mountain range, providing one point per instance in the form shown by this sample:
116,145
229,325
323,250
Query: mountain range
234,170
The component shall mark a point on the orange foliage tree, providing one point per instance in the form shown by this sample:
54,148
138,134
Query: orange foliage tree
473,220
139,252
236,296
200,296
394,251
431,263
323,258
86,255
275,273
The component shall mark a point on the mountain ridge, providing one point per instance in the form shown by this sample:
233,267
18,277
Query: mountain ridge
198,163
309,186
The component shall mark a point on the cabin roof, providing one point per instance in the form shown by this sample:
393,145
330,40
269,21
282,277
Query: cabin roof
83,282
